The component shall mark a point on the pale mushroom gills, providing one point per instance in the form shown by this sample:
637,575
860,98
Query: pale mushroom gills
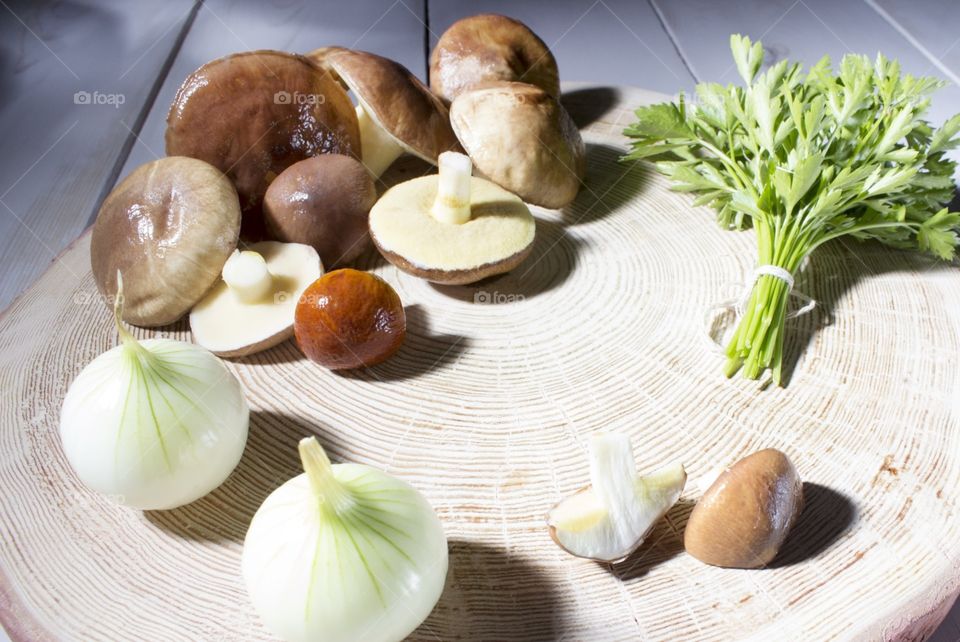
252,307
452,227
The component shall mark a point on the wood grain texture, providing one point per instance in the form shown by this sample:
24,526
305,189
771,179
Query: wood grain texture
57,155
487,409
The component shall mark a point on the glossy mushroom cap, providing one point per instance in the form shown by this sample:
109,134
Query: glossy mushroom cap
521,138
168,228
254,114
395,99
490,47
322,201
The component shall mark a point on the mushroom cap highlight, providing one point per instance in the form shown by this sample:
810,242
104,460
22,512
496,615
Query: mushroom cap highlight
489,47
168,227
521,138
254,114
496,239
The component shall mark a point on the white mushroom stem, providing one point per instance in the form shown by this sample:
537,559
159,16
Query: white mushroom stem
246,274
452,204
378,149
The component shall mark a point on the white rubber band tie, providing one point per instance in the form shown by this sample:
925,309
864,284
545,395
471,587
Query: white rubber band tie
737,305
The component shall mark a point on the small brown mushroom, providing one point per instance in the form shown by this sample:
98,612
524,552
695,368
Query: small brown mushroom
168,227
451,227
744,517
254,114
397,113
490,47
324,202
521,138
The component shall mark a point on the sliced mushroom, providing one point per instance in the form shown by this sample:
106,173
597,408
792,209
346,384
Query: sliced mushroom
451,227
324,202
490,47
397,113
254,114
610,519
519,137
168,227
252,307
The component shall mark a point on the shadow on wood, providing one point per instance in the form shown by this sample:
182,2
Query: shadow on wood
607,186
661,545
422,352
492,595
827,514
269,459
588,105
552,260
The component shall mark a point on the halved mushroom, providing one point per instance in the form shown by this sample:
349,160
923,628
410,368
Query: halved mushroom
451,227
610,519
519,137
168,227
490,47
254,114
397,113
252,307
322,201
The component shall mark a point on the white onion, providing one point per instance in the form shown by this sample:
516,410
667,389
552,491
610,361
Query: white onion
344,552
154,424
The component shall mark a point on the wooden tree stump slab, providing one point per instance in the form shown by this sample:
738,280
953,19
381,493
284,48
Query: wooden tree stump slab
487,410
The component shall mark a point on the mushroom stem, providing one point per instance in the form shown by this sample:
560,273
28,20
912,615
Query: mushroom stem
452,204
378,149
247,276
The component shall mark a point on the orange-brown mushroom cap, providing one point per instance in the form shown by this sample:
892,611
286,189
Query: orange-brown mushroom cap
254,114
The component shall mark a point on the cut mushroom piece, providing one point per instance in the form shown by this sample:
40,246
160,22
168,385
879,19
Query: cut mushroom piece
168,227
254,114
397,113
490,47
451,227
609,520
252,307
519,137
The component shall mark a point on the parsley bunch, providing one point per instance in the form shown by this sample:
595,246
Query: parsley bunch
806,158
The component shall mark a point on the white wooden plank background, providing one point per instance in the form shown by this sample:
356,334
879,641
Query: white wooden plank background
58,159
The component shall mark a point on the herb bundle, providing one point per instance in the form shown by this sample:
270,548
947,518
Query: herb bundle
806,158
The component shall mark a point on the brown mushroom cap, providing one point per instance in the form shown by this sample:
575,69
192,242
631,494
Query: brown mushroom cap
322,201
490,47
744,517
168,227
395,99
521,138
254,114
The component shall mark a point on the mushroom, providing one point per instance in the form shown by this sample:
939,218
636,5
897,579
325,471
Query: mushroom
168,227
322,201
451,227
254,114
744,517
397,113
519,137
609,519
252,307
490,47
349,319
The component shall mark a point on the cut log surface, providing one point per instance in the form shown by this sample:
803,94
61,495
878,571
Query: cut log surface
488,408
